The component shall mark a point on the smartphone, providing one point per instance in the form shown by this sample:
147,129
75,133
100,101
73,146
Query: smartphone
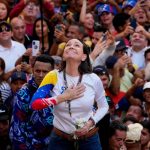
64,6
63,9
25,59
59,27
35,47
104,37
133,23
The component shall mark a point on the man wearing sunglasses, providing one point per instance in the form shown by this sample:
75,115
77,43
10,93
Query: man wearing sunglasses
10,50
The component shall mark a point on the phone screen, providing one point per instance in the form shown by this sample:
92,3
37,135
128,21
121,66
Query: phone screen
58,27
133,24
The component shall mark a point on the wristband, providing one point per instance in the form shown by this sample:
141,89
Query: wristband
39,104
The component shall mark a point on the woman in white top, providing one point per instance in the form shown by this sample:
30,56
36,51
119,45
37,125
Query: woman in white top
74,121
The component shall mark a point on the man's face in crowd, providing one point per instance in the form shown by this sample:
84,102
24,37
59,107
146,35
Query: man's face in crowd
147,59
145,136
31,10
134,111
146,95
95,37
117,140
18,28
105,80
40,69
73,32
138,40
5,33
17,84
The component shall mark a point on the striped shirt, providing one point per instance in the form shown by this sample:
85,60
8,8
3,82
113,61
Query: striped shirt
5,90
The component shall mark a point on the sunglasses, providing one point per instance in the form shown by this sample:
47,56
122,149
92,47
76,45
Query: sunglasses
5,28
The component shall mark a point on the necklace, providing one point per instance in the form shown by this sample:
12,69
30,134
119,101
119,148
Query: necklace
66,86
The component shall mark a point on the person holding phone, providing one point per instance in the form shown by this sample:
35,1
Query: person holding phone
47,35
124,26
25,65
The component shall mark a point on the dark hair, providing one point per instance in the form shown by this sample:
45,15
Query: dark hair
120,20
146,124
50,33
99,29
116,125
46,59
80,27
85,66
146,52
2,66
130,118
2,63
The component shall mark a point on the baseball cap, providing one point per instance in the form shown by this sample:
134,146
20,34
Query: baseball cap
134,133
3,113
100,70
18,75
105,8
121,45
146,86
110,61
130,3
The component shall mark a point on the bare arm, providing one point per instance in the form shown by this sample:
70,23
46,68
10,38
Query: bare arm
83,11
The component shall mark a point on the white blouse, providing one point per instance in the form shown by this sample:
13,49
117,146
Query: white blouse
81,108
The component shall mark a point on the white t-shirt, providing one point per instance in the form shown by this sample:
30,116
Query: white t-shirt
137,57
81,108
10,55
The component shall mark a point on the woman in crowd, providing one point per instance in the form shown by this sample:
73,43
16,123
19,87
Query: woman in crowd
74,121
87,19
4,10
47,34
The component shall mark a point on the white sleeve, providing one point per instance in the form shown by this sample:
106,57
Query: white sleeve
100,60
101,101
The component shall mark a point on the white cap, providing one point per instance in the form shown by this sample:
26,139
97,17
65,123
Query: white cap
146,86
134,132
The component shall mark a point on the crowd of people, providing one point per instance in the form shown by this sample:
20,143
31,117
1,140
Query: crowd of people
74,74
